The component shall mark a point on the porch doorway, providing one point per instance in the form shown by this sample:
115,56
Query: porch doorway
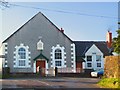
40,67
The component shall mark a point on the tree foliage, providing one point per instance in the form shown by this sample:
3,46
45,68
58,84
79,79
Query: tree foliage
116,42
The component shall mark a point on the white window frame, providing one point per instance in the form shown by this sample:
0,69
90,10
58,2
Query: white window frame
99,61
16,57
88,61
53,56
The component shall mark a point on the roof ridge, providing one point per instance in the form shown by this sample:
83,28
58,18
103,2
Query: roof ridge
89,41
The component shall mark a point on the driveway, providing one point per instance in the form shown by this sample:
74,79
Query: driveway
51,83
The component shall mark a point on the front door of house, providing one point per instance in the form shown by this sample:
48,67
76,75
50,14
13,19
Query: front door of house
40,67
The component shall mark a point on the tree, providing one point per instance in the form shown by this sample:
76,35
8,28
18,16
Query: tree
116,42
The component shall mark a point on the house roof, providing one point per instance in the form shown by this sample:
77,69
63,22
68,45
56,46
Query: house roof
30,20
83,46
79,59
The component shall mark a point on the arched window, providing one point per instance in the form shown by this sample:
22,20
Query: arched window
22,56
22,53
58,54
58,57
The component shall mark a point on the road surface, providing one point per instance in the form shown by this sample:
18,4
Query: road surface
51,83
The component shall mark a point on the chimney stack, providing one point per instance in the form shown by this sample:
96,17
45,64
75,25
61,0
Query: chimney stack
62,30
109,39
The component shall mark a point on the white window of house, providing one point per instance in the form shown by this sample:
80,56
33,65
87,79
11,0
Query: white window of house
89,61
58,63
98,64
98,57
98,60
58,57
89,58
89,64
22,56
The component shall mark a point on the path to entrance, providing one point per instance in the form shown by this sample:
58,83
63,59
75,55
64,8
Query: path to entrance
54,83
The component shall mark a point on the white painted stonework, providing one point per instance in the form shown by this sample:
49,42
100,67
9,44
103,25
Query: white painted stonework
73,62
40,45
53,56
34,67
93,51
16,56
4,51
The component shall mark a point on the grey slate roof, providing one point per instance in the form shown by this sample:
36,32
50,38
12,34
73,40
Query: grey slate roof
82,47
30,20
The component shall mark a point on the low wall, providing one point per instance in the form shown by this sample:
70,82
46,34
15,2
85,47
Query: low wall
112,67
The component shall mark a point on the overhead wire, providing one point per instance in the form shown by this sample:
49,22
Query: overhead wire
6,4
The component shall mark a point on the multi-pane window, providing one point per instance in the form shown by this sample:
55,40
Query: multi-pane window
58,57
89,58
21,62
22,56
98,64
98,58
58,63
22,53
89,64
58,54
89,61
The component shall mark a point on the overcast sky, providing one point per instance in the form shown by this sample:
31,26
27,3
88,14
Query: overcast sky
80,20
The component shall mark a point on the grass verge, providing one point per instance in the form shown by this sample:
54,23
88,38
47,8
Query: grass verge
109,83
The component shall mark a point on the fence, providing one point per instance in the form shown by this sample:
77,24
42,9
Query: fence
51,71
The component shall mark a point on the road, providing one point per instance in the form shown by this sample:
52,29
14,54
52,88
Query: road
51,83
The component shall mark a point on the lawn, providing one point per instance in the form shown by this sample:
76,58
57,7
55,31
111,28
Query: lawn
109,83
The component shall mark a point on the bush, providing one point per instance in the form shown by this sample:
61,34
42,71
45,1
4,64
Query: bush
112,67
5,72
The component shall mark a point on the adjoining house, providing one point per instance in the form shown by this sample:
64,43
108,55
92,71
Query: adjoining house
92,53
40,46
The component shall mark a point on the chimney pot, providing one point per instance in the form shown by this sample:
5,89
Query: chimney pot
109,39
62,30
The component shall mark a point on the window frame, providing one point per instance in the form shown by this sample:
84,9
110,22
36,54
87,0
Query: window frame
24,60
58,54
98,59
89,63
58,63
58,58
98,65
90,59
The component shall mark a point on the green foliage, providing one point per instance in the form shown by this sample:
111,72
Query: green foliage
109,83
116,42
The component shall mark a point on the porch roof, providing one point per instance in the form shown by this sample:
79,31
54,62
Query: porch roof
41,56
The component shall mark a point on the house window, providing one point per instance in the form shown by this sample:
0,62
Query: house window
58,57
58,63
22,56
89,65
89,58
21,62
98,58
22,53
58,54
98,64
